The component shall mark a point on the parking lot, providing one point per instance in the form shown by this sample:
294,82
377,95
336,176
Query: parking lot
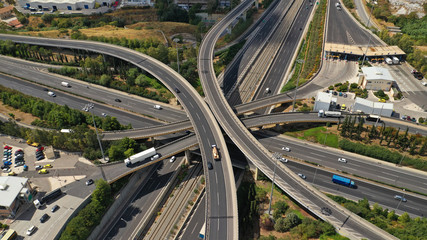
68,171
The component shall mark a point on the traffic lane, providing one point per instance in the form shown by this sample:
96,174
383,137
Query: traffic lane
317,154
129,222
89,90
342,29
71,101
374,193
196,223
273,79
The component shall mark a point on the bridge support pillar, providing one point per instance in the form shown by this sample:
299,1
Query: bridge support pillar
256,4
187,157
256,174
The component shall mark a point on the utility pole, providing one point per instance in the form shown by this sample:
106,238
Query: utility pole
276,156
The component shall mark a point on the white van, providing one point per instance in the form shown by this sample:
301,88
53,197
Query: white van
155,157
31,230
65,84
52,94
158,107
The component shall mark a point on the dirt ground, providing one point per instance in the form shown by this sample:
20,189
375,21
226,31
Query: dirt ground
19,116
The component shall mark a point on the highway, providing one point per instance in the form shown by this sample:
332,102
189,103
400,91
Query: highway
289,182
37,73
221,193
343,29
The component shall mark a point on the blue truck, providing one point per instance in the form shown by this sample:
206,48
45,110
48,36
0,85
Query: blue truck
343,181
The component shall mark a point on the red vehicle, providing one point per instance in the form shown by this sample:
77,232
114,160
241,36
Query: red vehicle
7,147
40,149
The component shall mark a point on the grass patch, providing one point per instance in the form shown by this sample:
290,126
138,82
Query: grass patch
318,134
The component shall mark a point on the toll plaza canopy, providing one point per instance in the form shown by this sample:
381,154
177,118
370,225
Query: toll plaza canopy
377,51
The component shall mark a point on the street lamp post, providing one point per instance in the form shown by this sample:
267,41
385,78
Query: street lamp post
276,157
176,40
296,87
87,108
370,35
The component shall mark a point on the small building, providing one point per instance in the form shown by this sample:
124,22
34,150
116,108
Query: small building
14,191
46,5
375,108
324,101
6,12
141,3
375,78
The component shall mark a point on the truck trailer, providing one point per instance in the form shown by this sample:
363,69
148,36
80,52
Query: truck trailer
140,156
323,113
65,84
343,181
47,198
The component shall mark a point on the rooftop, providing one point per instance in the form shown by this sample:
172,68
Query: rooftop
10,187
373,73
324,97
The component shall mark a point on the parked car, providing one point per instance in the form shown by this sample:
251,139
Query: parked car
38,167
7,163
44,218
48,166
12,174
89,182
7,170
40,158
4,167
7,147
19,164
54,208
40,148
43,171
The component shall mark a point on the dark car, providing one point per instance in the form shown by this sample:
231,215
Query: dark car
44,218
117,100
177,90
45,89
89,182
54,208
40,158
210,166
4,167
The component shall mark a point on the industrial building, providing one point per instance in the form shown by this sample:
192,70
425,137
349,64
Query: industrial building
375,108
324,101
14,192
376,78
63,4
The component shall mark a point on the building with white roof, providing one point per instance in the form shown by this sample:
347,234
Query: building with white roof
63,4
375,78
374,108
324,101
13,191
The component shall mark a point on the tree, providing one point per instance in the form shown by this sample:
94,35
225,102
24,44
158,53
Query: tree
280,208
280,225
102,193
105,80
404,218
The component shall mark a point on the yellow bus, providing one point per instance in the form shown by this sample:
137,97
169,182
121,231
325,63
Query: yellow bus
10,235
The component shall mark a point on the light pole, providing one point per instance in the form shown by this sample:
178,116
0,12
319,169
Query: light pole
401,199
276,156
296,87
176,40
87,108
370,35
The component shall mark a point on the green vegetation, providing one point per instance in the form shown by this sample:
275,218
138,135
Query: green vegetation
349,3
414,33
310,52
380,94
90,216
247,199
52,115
226,56
402,227
318,134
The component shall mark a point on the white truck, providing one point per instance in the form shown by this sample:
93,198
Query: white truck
396,60
67,130
65,84
323,113
388,61
51,94
140,156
